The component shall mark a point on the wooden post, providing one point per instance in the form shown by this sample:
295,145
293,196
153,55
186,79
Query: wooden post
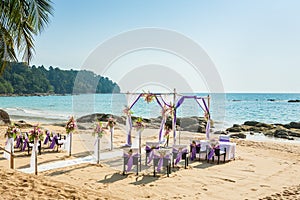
11,155
173,121
140,142
111,138
70,145
208,102
11,161
98,153
35,156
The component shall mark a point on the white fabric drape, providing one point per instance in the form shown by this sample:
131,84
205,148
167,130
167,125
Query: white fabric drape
33,154
9,147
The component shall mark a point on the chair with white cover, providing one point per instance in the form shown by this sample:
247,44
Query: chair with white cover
197,148
150,146
162,158
131,157
180,152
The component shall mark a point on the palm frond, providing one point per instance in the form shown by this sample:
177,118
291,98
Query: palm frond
39,14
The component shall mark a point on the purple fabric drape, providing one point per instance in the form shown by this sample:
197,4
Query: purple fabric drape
151,153
47,139
212,152
179,155
52,145
18,143
130,160
161,161
25,144
194,151
129,121
224,140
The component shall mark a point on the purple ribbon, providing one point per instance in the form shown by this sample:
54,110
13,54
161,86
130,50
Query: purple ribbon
224,140
25,144
47,137
161,161
194,151
52,145
18,141
130,160
151,153
179,155
212,152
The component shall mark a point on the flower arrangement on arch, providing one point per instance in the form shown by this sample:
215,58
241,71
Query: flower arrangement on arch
206,115
71,125
148,97
98,130
36,133
12,131
111,122
139,125
127,111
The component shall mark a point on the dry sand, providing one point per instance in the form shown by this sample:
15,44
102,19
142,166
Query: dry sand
261,170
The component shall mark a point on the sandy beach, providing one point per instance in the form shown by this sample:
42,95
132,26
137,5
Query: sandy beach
261,170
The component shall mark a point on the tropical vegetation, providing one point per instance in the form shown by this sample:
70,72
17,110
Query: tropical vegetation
20,22
19,78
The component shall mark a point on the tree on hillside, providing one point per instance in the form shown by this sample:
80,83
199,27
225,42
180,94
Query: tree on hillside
20,21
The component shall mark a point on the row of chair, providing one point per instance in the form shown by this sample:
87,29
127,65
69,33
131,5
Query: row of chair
22,142
165,157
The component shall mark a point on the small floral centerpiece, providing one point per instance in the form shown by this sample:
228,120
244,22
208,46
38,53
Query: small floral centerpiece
12,131
127,111
139,125
111,122
71,125
98,130
36,133
148,97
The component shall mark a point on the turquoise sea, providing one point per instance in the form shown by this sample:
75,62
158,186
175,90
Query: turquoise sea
226,109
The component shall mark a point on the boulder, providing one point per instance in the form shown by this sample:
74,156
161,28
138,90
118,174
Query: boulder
235,129
281,134
251,123
221,132
23,124
268,126
294,134
294,101
100,117
185,122
4,118
295,125
238,135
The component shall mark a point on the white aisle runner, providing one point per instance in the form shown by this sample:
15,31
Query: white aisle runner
66,163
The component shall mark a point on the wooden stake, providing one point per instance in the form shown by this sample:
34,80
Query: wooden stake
70,146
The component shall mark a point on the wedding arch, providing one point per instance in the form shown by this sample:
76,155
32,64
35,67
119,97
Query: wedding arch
168,106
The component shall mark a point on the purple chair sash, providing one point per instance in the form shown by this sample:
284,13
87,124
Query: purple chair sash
18,141
130,160
161,161
47,138
151,153
212,152
52,145
25,144
194,151
179,155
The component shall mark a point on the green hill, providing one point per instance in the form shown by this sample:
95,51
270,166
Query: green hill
18,78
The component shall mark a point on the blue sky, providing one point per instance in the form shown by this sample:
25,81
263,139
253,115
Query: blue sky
254,44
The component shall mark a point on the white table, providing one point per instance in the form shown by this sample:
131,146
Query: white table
230,148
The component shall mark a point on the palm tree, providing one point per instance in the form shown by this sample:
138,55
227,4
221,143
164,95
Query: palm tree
20,21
